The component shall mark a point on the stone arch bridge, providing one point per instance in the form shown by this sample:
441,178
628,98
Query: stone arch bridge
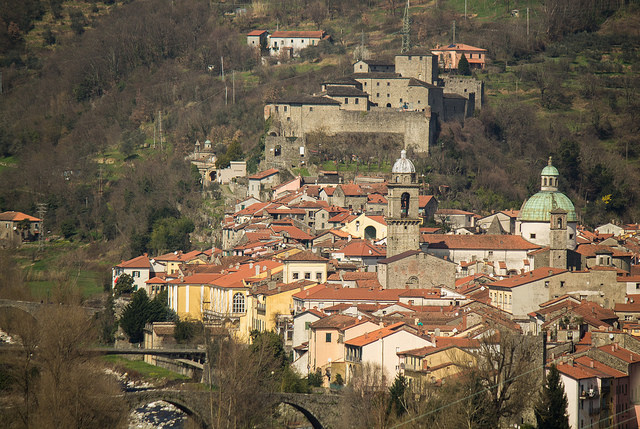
320,409
32,307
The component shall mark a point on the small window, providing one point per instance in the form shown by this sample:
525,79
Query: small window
357,101
409,57
346,100
307,276
295,276
546,284
377,83
388,83
307,326
277,107
561,284
377,94
285,108
319,277
360,66
388,95
327,338
570,236
310,108
532,236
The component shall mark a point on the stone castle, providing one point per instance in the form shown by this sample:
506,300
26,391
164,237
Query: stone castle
405,97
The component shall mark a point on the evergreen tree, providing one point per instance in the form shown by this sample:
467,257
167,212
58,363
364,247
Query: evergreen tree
463,66
397,391
140,311
551,410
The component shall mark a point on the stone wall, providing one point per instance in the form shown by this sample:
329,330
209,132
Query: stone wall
465,86
429,270
422,67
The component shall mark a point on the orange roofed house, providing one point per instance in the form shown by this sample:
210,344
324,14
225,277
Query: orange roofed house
16,227
449,56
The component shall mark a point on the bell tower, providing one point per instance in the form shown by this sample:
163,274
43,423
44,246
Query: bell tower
558,238
403,221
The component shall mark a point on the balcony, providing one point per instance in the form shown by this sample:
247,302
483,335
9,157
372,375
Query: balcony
211,314
262,309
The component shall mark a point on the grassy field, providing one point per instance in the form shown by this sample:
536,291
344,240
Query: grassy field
47,270
143,369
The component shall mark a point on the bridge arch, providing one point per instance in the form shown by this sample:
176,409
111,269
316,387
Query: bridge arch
312,419
183,402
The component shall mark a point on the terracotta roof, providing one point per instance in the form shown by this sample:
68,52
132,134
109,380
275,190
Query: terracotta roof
335,321
351,190
333,292
353,275
156,281
292,231
423,200
458,47
590,250
374,336
599,366
630,307
282,287
399,256
305,256
529,277
17,217
577,372
139,262
256,32
363,248
264,174
623,354
452,212
376,199
379,219
501,242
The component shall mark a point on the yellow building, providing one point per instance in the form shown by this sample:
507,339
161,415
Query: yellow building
220,296
171,261
271,304
431,364
368,227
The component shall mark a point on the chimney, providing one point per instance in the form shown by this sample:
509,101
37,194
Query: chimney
271,284
251,264
257,269
591,362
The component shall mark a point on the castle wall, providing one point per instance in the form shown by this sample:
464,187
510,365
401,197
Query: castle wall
465,86
417,127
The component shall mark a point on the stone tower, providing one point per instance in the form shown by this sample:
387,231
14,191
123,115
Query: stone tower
558,238
403,221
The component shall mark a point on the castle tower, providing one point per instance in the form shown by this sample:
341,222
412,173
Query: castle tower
558,239
403,221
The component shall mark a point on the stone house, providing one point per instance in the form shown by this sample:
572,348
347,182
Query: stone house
16,227
416,270
260,181
350,196
427,365
427,207
374,66
506,218
455,218
258,39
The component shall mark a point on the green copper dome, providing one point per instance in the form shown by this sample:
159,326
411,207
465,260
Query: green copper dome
549,170
537,207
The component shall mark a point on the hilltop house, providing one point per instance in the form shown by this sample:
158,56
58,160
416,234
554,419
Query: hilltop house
449,56
16,227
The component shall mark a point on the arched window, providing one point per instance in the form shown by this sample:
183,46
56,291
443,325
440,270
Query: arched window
370,233
559,223
404,205
238,303
413,282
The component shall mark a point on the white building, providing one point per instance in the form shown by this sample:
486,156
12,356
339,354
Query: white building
138,268
290,43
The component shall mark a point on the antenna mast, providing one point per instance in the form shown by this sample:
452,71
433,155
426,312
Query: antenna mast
406,30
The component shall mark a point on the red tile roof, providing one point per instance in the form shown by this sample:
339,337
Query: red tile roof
264,174
623,354
453,212
577,372
333,292
501,242
423,200
531,276
305,256
17,217
459,47
139,262
353,275
374,336
352,190
292,232
363,248
590,250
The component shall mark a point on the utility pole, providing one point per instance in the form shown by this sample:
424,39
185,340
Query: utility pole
465,10
154,134
233,86
160,129
406,30
527,24
454,31
41,210
222,67
0,82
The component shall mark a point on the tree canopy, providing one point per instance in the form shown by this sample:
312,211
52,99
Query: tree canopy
551,410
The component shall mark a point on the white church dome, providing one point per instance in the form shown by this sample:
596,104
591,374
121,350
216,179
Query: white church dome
403,165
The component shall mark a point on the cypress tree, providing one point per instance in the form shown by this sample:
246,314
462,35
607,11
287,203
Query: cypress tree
551,410
463,66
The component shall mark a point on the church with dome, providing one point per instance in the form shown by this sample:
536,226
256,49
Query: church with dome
548,218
